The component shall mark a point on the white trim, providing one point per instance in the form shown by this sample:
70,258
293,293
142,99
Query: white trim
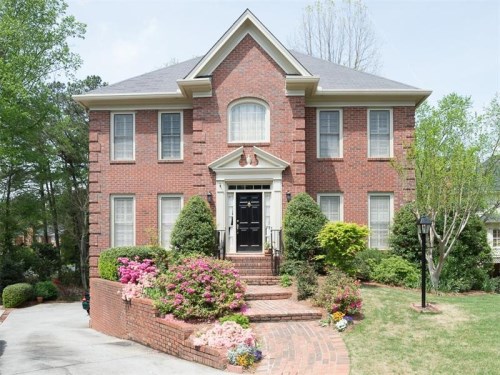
112,216
341,202
160,196
295,92
403,92
371,104
341,132
391,210
391,132
267,120
159,135
132,107
112,135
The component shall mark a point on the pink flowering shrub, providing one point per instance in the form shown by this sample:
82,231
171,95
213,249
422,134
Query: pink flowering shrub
199,288
138,276
339,293
226,335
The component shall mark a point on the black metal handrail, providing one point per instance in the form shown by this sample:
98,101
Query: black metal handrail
220,244
276,250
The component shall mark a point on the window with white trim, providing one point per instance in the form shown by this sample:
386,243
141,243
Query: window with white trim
170,207
380,217
122,136
379,133
170,136
329,133
496,238
248,121
331,206
122,221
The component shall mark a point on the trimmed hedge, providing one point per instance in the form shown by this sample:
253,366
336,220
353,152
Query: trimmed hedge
16,294
46,289
108,260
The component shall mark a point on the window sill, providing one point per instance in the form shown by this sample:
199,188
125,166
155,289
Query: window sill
381,159
170,161
122,162
248,144
330,159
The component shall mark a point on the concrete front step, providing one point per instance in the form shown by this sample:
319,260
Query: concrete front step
261,280
280,310
269,292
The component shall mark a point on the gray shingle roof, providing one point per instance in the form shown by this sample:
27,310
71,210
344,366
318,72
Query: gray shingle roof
332,76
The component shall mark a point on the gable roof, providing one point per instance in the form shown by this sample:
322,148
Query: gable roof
181,80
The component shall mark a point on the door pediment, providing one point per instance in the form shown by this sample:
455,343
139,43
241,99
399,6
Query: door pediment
258,161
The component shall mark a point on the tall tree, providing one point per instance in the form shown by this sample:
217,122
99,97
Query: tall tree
454,178
341,32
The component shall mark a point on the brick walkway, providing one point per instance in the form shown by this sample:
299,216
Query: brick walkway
296,348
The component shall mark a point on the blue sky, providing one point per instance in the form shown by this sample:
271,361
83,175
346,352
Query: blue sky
445,45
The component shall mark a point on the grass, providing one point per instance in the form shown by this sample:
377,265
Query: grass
393,339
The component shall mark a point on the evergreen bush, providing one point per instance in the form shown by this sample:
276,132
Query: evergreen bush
46,289
365,262
108,260
307,281
16,294
302,222
396,270
194,230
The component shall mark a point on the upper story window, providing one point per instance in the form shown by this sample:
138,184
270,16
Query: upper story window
329,133
248,121
332,206
122,136
380,133
170,136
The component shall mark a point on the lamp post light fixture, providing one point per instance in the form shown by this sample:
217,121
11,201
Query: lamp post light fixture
288,196
209,197
424,226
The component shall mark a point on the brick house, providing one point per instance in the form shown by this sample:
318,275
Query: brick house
246,126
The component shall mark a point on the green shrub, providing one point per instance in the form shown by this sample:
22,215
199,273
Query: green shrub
396,271
45,289
194,230
493,285
403,238
339,292
16,294
286,280
365,262
240,319
199,288
302,222
341,242
307,281
108,260
11,271
290,266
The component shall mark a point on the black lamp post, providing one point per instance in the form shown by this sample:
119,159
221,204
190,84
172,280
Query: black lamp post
424,226
288,196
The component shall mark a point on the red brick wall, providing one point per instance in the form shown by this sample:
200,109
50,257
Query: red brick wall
137,321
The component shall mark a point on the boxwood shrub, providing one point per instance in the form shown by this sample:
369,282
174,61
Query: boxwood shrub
46,289
16,294
108,260
397,271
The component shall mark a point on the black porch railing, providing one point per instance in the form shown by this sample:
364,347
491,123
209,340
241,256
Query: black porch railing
276,250
220,244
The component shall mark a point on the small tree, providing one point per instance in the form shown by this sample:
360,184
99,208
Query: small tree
403,239
302,223
194,230
342,241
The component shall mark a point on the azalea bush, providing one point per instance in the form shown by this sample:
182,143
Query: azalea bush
339,293
200,288
138,276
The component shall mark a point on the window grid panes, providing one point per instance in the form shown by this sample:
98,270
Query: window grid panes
170,207
330,206
496,238
380,129
230,220
123,137
248,123
329,134
380,220
170,130
267,216
123,220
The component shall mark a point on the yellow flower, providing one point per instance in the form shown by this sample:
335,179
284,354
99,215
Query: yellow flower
337,316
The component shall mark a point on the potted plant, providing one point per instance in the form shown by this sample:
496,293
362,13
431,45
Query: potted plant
268,248
45,290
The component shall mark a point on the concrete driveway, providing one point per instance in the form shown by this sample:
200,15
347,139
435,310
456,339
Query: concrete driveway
54,338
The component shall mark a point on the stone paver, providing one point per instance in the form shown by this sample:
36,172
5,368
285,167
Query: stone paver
301,348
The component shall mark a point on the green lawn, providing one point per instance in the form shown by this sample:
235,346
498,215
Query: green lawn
393,339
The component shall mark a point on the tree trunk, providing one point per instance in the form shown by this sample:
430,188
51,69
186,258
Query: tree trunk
44,219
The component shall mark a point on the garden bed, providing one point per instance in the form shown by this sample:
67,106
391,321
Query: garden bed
138,320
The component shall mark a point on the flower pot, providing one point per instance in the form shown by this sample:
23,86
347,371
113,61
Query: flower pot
39,299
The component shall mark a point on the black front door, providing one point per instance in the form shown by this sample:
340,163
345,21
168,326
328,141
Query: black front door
249,222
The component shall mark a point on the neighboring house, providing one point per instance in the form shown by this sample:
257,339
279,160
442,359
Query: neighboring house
245,126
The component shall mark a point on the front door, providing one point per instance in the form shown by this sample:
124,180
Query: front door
249,222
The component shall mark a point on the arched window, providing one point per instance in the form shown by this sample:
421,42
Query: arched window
248,121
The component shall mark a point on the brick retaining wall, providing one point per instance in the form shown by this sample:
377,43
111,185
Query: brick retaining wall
137,321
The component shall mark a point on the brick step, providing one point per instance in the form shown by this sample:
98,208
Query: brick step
269,292
255,272
261,280
280,310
